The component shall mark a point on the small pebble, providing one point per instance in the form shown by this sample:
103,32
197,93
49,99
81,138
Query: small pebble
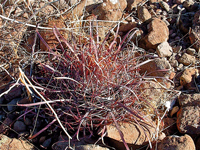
19,126
164,5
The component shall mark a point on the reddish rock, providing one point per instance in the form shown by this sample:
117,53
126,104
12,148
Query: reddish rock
110,10
158,32
126,26
188,120
133,135
14,144
19,126
133,3
158,67
177,143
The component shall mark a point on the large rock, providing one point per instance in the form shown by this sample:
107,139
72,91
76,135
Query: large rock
134,135
189,100
177,143
14,144
158,32
188,115
188,120
159,67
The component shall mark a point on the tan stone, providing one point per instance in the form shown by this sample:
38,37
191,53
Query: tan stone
14,144
187,59
187,77
143,13
133,134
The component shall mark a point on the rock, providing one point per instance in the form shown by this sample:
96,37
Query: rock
188,120
164,5
19,126
158,68
133,135
143,13
187,59
189,100
133,4
12,105
127,26
154,93
164,50
14,144
158,32
177,143
174,111
187,78
109,10
194,34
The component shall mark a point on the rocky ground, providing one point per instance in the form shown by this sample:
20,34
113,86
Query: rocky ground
165,34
